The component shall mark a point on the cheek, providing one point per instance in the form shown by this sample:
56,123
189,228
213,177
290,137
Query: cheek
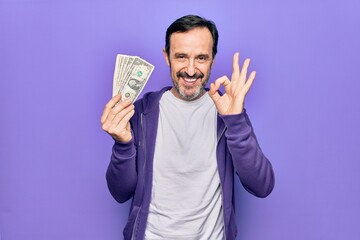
175,69
205,69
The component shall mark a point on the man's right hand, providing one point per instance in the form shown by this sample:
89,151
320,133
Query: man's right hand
115,118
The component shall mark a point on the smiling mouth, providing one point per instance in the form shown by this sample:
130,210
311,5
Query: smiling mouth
190,80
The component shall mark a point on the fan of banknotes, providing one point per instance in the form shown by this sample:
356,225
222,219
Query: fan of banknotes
130,76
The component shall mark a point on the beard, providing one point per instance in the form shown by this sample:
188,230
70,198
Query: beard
181,90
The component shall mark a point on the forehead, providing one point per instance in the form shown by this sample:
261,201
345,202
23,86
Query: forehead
197,40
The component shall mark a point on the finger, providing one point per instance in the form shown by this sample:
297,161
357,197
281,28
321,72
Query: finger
127,117
123,128
244,68
120,115
249,82
213,92
117,108
116,113
242,78
109,106
224,80
214,87
235,67
121,105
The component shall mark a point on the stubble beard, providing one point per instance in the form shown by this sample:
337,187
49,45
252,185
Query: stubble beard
182,90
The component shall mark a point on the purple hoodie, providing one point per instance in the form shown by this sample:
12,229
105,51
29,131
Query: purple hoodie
129,174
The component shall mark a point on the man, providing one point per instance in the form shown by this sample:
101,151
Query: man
176,150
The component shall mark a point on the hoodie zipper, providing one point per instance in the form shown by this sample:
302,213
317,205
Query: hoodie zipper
221,183
142,141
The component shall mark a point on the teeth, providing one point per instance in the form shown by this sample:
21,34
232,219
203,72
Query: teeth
190,79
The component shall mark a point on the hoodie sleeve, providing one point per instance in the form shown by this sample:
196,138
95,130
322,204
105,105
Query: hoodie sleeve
121,174
251,165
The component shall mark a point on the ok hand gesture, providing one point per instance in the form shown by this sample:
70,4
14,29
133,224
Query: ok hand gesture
232,102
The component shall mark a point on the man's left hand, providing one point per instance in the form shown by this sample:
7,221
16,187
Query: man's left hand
232,102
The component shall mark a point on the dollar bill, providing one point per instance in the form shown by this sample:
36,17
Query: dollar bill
116,83
130,76
127,65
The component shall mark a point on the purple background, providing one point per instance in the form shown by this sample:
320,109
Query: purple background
56,67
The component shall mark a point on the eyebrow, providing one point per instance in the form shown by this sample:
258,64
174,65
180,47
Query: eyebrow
180,54
197,56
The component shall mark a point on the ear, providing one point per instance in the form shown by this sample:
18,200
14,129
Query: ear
166,57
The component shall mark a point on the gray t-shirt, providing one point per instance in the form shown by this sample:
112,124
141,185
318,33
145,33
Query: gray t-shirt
186,200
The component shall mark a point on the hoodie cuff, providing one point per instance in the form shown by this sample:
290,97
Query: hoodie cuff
124,150
235,122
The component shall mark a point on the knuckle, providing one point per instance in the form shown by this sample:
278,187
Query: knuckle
108,105
113,111
111,131
104,127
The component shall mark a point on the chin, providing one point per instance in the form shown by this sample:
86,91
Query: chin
189,96
188,93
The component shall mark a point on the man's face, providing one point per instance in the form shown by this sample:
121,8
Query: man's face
190,60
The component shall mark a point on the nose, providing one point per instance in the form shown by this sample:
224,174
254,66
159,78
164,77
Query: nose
191,67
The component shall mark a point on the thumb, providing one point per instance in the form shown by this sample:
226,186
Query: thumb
213,92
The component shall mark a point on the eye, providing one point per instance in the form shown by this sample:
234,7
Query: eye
180,57
202,58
